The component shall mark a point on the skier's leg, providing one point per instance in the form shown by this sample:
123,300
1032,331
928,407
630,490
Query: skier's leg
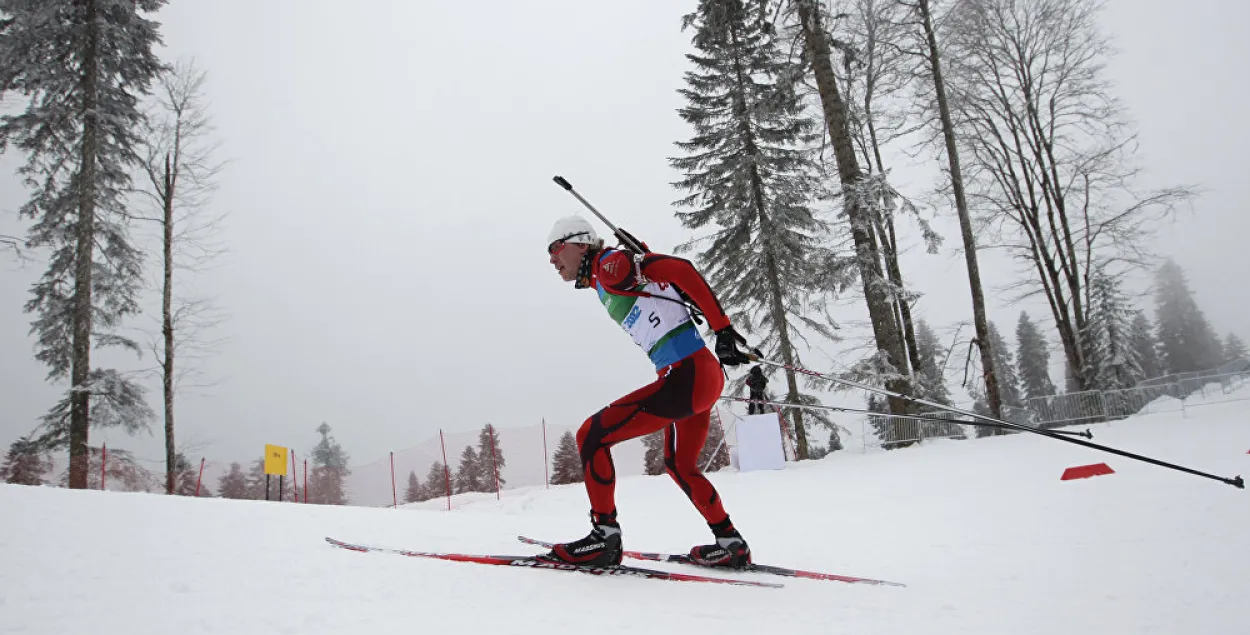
641,412
683,442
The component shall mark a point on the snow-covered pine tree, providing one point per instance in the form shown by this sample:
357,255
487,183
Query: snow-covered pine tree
491,456
1005,366
929,352
258,487
325,484
436,481
1186,341
1234,349
186,475
233,484
256,481
25,463
469,475
1147,347
413,493
1033,359
653,457
751,177
80,67
1111,361
566,463
1008,382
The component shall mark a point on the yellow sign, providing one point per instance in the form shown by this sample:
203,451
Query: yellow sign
275,459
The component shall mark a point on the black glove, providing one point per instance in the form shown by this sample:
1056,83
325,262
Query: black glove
727,340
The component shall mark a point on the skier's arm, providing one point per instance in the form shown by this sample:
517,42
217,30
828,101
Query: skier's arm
616,271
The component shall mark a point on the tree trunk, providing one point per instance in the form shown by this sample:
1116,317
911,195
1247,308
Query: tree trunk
888,236
980,323
885,328
167,328
774,276
80,373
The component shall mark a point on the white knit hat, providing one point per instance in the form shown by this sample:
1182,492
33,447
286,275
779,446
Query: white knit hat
572,229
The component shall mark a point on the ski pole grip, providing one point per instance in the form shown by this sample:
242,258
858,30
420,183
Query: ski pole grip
562,183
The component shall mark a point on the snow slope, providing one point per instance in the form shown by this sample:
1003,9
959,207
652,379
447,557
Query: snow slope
985,535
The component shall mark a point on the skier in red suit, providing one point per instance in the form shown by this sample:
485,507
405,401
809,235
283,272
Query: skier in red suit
644,294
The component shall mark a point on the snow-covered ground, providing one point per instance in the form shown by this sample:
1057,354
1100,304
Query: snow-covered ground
984,534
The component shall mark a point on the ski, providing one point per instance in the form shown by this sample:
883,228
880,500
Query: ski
535,563
754,568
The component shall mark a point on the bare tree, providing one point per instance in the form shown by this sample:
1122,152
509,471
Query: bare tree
1049,148
914,21
876,70
181,175
858,201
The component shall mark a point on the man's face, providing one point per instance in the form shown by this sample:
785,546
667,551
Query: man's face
566,258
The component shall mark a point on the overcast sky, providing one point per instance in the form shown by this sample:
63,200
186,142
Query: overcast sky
389,196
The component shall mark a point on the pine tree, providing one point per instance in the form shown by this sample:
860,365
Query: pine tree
566,463
1033,359
1005,365
1008,383
414,491
715,443
256,480
25,464
1141,336
491,457
469,475
1110,358
258,486
1234,349
329,470
436,481
186,476
931,379
1186,341
233,484
80,67
653,457
751,176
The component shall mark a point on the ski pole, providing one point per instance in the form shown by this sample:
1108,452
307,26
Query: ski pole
615,230
1235,482
981,424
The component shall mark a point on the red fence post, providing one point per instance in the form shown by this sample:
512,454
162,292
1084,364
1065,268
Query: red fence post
199,478
394,496
546,475
446,468
305,480
294,477
104,459
493,466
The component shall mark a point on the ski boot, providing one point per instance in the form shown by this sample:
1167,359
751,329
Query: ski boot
730,551
602,547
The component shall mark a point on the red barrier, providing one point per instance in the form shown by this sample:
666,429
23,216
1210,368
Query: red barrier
104,460
199,479
1086,471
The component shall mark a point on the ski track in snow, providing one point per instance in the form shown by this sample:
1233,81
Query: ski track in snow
984,534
